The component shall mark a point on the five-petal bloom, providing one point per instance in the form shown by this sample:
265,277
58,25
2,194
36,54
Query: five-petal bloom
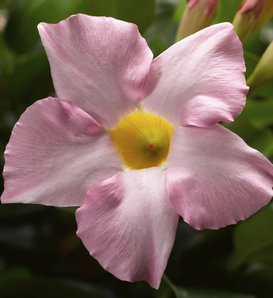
136,142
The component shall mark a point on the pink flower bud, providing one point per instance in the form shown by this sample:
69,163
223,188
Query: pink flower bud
197,15
251,15
3,20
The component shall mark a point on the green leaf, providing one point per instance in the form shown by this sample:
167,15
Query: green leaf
257,277
260,139
210,294
259,113
19,283
21,32
140,12
179,11
251,60
161,34
226,10
253,126
253,238
32,79
263,91
204,293
24,16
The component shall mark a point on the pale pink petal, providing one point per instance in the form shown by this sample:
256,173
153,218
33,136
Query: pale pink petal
98,63
214,179
55,154
200,79
128,224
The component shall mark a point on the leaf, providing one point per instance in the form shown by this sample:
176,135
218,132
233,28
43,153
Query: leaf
226,10
263,91
259,113
253,238
211,294
204,293
251,60
161,34
260,139
140,12
32,80
179,11
18,283
21,32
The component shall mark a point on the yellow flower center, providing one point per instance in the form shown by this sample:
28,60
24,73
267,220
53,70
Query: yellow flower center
142,139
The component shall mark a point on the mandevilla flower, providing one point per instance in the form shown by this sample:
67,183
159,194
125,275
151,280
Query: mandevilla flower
136,142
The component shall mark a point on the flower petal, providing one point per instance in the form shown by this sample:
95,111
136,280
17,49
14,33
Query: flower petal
214,178
128,224
200,79
55,154
98,63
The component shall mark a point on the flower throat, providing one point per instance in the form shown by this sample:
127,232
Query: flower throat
142,139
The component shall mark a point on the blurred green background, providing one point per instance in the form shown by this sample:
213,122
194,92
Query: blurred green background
40,255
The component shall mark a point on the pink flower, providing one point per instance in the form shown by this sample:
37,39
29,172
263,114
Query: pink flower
136,142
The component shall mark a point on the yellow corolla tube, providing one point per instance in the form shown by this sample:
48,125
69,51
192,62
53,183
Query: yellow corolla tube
143,139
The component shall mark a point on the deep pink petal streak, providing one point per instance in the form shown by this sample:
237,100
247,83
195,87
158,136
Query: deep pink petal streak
200,80
98,63
214,179
55,154
128,224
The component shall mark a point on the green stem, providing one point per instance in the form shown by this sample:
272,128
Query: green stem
178,293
